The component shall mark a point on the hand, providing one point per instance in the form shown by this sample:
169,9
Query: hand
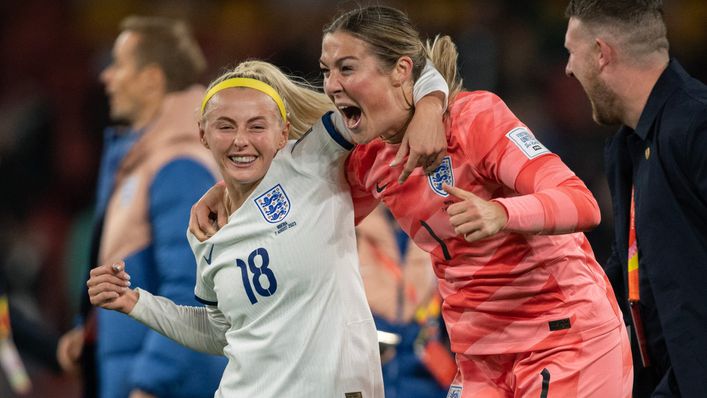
69,349
108,287
473,217
425,141
209,214
141,394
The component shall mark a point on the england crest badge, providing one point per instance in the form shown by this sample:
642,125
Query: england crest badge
274,204
442,174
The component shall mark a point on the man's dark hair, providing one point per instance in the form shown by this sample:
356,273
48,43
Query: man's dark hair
169,44
638,24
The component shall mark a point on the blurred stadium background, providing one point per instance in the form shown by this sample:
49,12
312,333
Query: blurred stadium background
53,110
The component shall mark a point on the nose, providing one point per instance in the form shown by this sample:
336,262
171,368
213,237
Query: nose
105,75
240,139
568,70
332,85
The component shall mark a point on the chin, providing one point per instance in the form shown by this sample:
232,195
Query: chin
358,138
363,136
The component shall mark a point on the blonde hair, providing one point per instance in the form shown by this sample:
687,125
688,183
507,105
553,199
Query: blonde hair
303,102
391,35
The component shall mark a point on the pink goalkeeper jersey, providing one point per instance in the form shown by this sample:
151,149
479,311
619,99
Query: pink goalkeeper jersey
512,292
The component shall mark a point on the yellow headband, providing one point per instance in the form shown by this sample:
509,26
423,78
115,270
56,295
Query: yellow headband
249,83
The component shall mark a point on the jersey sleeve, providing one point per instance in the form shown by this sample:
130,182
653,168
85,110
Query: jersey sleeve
363,200
204,287
549,197
322,150
200,328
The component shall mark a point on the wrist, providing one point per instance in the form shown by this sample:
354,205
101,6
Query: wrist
502,213
433,102
132,296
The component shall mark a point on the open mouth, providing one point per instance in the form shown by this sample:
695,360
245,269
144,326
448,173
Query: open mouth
352,115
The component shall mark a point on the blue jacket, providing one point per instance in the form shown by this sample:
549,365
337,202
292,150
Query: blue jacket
148,182
666,159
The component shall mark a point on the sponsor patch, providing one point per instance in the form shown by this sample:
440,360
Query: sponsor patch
455,392
442,174
559,324
274,204
526,142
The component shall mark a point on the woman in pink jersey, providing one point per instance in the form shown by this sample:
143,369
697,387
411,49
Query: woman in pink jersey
528,309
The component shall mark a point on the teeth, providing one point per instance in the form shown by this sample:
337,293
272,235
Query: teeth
242,159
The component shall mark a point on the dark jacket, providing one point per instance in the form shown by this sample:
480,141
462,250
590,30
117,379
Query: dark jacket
666,156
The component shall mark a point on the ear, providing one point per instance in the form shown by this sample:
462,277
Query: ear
606,54
285,134
402,71
154,77
202,134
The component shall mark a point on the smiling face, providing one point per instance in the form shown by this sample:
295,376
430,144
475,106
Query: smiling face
244,130
371,100
582,64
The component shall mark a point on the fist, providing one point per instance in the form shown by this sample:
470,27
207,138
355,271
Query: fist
473,217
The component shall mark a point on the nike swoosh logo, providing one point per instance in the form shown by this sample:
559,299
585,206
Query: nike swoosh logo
380,189
208,259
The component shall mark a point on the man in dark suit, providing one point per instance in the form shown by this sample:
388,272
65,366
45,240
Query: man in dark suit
657,170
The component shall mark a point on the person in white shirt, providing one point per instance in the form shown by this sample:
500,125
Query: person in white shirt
284,300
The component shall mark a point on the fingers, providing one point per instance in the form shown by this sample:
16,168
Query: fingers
402,152
476,235
209,214
107,283
410,166
69,350
222,216
194,224
200,224
433,162
457,192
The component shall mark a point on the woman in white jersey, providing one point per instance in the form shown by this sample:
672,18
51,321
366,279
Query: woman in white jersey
284,298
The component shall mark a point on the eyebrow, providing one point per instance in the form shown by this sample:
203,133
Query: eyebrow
251,120
339,61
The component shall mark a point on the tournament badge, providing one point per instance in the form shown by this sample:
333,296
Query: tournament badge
442,174
455,392
274,204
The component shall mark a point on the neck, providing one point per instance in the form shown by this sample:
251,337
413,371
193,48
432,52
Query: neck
148,114
399,133
636,86
236,194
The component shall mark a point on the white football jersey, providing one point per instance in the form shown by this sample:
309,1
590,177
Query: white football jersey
284,273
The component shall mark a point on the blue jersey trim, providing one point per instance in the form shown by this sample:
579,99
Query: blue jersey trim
329,126
207,302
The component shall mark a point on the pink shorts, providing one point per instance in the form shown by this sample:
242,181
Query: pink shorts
600,367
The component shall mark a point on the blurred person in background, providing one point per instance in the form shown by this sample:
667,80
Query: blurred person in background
152,170
656,166
402,292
